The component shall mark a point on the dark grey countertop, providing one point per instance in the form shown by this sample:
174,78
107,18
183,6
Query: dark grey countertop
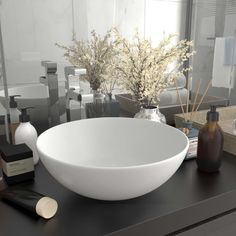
187,198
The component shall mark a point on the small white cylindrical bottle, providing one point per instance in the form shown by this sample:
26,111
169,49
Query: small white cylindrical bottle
26,133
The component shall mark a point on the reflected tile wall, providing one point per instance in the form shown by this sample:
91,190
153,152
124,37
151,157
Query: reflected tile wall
30,30
32,27
167,17
130,15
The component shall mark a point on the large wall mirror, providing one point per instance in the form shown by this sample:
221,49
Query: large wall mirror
30,29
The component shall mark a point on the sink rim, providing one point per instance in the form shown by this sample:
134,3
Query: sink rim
28,86
42,153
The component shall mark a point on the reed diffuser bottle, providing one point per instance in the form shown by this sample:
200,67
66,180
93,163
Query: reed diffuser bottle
210,143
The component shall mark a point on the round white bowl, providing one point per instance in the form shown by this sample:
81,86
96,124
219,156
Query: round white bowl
37,97
112,158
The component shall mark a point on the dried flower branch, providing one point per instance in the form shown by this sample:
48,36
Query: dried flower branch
144,70
96,56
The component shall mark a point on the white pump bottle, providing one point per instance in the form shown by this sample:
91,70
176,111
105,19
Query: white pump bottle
26,133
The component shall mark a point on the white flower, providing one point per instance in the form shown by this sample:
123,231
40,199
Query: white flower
144,70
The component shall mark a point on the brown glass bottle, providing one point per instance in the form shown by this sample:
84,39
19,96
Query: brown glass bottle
210,143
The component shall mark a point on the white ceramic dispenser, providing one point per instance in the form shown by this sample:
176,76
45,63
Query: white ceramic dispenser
26,133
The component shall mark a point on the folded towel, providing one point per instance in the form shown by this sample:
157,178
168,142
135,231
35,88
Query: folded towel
230,51
221,73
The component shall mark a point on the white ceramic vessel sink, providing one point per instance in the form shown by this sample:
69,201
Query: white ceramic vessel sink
36,96
112,158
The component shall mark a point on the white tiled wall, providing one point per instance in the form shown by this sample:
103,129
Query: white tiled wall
32,27
30,30
165,17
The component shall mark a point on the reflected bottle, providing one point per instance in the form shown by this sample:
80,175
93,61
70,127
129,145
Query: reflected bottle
14,116
210,143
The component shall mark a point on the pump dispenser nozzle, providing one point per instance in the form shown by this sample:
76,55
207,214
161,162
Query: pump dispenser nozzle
13,103
24,117
212,115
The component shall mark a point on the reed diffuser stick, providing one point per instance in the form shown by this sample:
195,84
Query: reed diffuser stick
180,100
196,96
208,86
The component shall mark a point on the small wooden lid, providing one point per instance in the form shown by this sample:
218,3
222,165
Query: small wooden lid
46,207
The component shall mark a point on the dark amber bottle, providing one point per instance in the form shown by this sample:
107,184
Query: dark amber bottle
210,143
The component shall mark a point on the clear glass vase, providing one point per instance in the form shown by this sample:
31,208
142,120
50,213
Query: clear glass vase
102,106
96,108
151,113
98,96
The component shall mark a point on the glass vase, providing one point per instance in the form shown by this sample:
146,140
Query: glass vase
151,113
96,108
98,96
102,106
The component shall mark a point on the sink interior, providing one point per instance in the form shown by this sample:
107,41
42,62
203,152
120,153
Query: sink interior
37,91
111,142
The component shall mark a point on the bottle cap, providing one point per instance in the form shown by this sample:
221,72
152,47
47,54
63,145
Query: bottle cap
213,115
46,207
24,117
13,103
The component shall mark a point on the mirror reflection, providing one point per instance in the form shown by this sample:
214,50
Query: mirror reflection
31,29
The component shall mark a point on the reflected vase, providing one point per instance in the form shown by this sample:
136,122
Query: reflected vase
103,106
98,96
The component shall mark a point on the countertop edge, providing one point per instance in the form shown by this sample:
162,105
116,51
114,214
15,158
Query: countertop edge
172,222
